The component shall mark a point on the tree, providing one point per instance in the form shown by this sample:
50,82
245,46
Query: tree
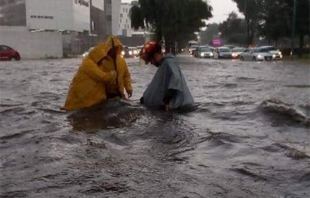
233,29
275,20
211,32
302,21
173,20
252,10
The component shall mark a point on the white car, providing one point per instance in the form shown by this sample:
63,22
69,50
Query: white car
237,51
204,52
256,54
276,53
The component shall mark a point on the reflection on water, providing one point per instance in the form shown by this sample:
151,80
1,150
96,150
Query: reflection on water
246,136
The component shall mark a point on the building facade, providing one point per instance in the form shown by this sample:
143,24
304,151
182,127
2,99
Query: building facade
124,26
47,15
97,18
112,12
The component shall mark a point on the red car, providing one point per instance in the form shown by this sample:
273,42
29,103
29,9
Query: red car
8,53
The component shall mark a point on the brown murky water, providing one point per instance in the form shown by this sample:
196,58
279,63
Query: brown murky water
248,135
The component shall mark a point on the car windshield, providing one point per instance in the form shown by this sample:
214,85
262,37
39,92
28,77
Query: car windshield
224,50
267,49
205,49
238,50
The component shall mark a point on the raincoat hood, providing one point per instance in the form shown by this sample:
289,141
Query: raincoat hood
97,53
113,41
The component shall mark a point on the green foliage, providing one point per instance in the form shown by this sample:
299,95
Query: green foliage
233,29
211,32
175,20
274,19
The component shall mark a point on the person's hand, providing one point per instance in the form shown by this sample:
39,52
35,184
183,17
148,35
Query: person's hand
129,92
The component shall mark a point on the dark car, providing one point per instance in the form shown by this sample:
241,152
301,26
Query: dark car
8,53
223,52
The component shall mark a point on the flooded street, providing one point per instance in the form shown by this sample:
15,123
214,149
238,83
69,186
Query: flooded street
248,135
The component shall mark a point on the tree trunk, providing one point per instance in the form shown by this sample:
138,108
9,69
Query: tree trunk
301,44
248,32
252,32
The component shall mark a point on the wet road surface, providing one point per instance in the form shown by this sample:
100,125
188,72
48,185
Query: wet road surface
248,135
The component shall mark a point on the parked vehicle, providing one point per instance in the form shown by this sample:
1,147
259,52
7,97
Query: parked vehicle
204,52
8,53
192,49
276,53
237,51
222,52
256,54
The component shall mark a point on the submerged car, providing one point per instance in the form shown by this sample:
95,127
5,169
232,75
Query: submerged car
204,52
276,53
130,52
192,49
222,52
237,51
8,53
256,54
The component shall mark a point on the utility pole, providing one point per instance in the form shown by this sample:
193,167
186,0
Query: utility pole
293,28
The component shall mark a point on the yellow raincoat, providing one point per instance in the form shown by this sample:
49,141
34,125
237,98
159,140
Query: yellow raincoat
114,88
88,85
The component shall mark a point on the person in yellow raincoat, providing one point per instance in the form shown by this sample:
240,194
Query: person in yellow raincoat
88,85
114,61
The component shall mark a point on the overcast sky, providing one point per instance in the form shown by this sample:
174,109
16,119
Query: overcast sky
221,9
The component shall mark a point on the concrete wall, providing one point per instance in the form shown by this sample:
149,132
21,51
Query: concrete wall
32,45
71,15
116,5
81,16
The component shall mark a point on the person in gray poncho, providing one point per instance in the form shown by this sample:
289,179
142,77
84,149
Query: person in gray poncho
168,88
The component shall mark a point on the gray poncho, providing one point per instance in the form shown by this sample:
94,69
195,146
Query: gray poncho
168,76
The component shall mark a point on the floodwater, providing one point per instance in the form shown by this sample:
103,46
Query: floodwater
248,135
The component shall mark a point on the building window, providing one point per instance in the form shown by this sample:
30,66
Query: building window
121,15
